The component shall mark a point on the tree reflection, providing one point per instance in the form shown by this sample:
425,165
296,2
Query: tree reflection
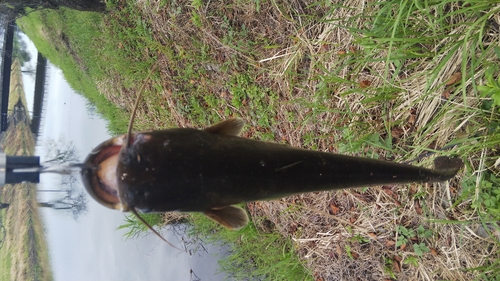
73,198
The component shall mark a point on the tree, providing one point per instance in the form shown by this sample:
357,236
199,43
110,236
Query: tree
20,49
77,205
59,154
4,205
74,199
61,151
14,8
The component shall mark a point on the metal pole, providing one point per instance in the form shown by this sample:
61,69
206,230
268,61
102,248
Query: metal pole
17,169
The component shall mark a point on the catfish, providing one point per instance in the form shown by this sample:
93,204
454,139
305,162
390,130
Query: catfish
212,170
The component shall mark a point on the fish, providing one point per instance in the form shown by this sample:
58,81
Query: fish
212,170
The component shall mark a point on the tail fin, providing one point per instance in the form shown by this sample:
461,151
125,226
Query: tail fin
447,167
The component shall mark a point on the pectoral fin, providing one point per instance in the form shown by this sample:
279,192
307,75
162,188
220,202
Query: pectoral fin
229,127
231,217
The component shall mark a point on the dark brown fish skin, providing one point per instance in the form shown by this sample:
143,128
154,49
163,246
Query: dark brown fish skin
193,170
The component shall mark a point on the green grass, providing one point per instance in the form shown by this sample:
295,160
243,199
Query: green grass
254,255
390,80
51,34
135,227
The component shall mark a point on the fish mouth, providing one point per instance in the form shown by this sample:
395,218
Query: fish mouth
99,174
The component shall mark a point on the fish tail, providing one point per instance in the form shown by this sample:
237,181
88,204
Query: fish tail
447,167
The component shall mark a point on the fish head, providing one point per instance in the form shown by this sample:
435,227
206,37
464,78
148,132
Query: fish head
99,173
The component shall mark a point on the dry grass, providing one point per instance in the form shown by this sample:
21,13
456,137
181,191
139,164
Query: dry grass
324,225
18,141
322,237
175,218
24,253
335,92
24,242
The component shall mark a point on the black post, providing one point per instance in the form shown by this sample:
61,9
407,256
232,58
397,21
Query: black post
17,169
7,64
41,67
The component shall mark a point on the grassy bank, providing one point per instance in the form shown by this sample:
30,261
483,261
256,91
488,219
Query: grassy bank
24,253
395,80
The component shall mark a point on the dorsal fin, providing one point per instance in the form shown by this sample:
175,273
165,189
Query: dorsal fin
229,127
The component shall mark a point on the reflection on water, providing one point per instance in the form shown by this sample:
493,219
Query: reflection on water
90,247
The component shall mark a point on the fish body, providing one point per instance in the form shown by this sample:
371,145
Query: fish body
210,170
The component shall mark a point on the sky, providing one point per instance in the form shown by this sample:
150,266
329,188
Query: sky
91,247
